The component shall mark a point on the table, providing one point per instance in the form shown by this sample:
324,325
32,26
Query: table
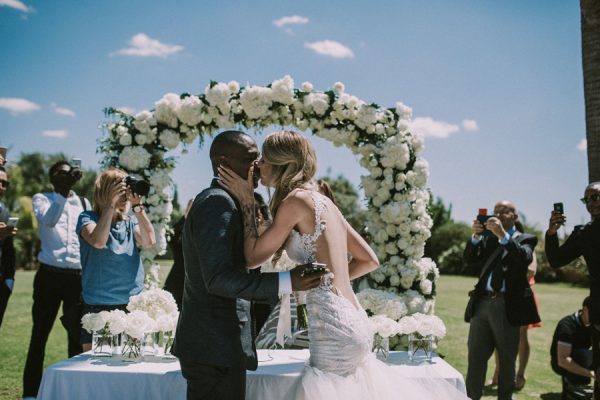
88,377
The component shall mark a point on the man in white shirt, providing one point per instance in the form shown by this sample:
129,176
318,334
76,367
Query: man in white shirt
58,279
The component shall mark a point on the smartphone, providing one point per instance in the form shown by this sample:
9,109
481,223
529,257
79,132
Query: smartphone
12,222
558,207
482,216
76,163
314,268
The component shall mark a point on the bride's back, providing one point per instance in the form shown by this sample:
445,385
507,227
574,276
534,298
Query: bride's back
324,225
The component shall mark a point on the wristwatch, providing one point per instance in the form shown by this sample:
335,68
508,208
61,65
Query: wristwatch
137,208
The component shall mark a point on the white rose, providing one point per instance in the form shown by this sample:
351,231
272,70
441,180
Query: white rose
190,110
125,140
307,87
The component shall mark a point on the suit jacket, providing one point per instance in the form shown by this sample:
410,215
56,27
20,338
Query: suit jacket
515,258
214,326
583,241
8,257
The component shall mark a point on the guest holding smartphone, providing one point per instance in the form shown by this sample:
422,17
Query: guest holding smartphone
112,269
7,248
583,241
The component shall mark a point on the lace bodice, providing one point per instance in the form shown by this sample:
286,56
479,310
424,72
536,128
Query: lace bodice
302,247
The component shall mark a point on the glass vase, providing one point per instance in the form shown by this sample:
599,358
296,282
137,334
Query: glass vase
420,347
167,344
150,344
102,343
131,349
381,347
117,348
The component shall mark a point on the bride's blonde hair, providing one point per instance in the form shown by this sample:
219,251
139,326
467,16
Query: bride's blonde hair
293,161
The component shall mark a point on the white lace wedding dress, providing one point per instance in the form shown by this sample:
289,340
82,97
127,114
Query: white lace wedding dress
342,365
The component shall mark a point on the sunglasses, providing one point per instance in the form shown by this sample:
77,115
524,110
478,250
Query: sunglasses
4,183
594,198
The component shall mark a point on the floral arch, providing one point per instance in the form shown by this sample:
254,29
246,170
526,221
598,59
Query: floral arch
395,187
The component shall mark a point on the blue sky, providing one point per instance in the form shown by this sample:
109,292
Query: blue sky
496,87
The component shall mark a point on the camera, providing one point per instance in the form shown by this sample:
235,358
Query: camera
137,186
558,207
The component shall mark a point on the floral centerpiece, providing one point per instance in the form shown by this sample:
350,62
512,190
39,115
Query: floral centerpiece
423,332
104,326
383,328
139,324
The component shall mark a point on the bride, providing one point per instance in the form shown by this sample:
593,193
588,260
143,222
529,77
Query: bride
311,229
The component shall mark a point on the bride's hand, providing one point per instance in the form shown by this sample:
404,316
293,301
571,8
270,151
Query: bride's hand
243,190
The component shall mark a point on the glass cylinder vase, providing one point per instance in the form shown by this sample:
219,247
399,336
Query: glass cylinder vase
381,347
150,344
420,347
102,343
131,348
117,347
167,344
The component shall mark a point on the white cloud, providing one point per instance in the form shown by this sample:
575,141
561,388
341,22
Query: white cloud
330,48
18,105
58,133
62,110
144,46
582,145
429,127
16,4
470,125
290,20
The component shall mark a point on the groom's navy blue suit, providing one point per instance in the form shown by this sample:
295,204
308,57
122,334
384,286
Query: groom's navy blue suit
214,340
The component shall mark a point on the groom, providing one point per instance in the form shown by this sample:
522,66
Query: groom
214,341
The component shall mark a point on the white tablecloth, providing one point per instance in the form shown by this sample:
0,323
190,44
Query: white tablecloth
86,377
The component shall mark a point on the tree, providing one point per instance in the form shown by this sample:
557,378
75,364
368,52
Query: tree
590,49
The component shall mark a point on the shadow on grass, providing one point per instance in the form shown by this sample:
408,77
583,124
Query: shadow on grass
550,396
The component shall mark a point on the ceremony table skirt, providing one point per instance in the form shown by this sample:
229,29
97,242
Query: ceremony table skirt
88,377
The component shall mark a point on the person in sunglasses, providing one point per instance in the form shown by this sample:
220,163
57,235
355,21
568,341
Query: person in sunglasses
583,241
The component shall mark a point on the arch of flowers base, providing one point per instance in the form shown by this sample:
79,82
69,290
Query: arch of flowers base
395,187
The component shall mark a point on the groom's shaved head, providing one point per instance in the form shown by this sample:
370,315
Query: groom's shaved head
235,149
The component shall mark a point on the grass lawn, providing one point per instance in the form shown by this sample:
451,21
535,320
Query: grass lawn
556,301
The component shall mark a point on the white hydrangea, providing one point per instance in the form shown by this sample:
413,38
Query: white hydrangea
256,101
165,110
134,158
283,90
190,110
169,138
318,102
144,121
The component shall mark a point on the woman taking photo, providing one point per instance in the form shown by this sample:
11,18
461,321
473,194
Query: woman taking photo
112,269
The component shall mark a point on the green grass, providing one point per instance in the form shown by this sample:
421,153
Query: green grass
556,301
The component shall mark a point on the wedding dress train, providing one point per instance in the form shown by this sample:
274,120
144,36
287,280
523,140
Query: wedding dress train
341,364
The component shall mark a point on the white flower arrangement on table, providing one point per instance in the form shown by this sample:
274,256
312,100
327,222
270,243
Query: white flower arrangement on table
395,186
389,313
153,310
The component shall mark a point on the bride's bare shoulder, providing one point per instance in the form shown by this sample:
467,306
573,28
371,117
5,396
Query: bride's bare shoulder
298,199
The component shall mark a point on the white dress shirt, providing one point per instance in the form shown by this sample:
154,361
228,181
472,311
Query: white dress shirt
57,219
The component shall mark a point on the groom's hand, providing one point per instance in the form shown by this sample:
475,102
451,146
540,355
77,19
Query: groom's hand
302,281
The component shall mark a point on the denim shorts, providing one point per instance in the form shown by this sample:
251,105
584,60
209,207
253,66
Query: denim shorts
86,337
